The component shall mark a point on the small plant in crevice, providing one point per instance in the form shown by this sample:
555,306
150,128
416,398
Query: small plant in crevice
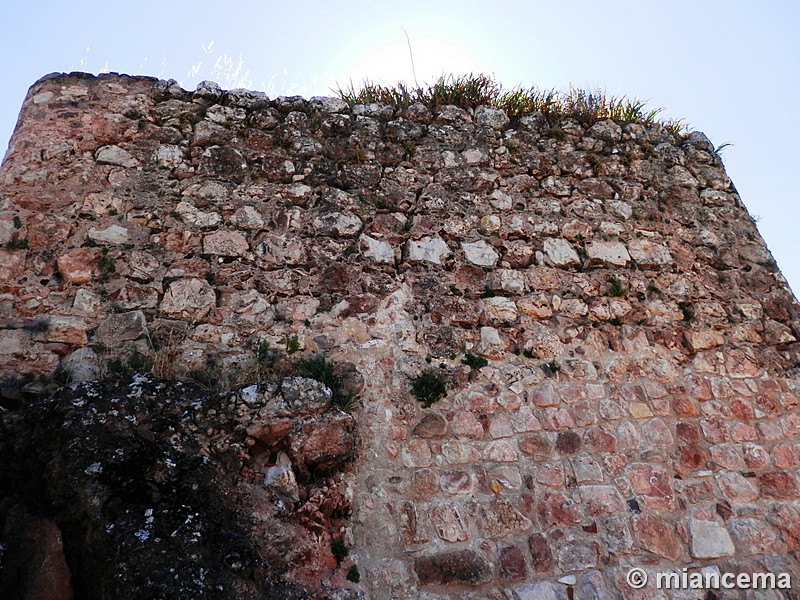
652,288
320,368
353,574
17,244
292,343
687,310
428,387
339,549
106,265
135,362
474,361
551,368
615,287
595,163
39,325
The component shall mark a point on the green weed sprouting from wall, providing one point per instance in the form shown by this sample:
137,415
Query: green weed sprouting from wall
471,91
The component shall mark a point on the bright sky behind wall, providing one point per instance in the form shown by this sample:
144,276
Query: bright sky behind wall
730,68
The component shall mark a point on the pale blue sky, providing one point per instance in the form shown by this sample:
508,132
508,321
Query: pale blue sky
731,68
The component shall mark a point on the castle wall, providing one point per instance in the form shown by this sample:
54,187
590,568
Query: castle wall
639,405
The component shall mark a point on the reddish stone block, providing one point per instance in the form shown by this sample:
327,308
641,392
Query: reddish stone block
455,482
785,455
556,509
457,567
573,393
633,393
537,446
449,522
599,441
512,564
584,414
714,430
736,488
500,451
692,457
460,453
432,425
652,484
786,517
685,407
752,537
656,434
698,388
578,555
557,419
778,484
727,457
699,492
614,463
568,442
466,425
601,500
755,457
769,404
424,484
416,454
549,473
789,400
791,424
742,432
501,519
78,265
611,409
541,556
741,409
543,396
628,438
657,536
688,432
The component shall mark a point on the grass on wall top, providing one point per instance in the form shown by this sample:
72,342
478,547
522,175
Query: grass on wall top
471,91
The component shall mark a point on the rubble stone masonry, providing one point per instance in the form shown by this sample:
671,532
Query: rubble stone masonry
640,402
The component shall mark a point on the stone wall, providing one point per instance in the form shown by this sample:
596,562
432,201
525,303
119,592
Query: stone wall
639,405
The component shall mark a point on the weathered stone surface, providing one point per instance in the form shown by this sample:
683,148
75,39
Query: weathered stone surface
560,252
189,299
648,254
709,540
512,564
114,155
613,253
449,522
427,249
657,536
457,567
114,234
377,250
601,500
541,555
500,518
480,253
432,425
78,265
225,243
121,327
